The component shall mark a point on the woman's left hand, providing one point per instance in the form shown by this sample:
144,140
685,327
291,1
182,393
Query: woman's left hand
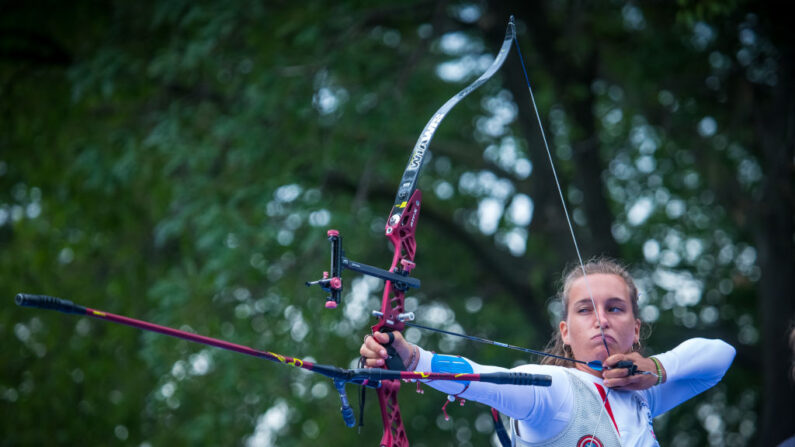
618,378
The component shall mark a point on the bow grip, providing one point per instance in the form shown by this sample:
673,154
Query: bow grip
393,360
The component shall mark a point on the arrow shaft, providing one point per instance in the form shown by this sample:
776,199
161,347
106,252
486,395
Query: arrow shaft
496,343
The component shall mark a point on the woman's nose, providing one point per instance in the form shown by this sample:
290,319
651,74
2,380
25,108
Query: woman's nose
601,321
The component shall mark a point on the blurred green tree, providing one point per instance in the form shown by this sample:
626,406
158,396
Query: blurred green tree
180,161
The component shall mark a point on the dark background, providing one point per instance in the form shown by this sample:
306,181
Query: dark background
180,161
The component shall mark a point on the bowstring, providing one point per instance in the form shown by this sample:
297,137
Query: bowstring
568,222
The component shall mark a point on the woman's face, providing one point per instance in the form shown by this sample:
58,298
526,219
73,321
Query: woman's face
581,331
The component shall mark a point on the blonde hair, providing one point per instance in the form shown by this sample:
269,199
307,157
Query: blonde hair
595,266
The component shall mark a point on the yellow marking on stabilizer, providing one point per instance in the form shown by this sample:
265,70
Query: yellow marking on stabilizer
297,362
403,205
278,357
424,375
459,374
99,314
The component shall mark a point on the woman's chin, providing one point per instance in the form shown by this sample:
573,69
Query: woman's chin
597,351
601,354
598,354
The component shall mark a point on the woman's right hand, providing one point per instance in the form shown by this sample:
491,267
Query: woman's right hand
374,351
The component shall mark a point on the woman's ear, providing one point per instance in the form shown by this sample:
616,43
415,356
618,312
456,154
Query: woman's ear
564,332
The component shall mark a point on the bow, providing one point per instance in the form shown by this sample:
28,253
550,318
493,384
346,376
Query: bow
400,227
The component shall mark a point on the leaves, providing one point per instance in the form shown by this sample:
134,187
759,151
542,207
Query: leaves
180,162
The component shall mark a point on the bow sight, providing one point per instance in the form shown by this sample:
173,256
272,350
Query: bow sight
333,285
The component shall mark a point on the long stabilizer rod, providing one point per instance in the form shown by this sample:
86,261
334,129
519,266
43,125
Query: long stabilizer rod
361,376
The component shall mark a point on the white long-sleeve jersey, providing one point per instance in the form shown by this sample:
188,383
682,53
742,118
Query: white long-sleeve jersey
544,412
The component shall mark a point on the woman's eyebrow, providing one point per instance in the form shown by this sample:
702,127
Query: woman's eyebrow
611,300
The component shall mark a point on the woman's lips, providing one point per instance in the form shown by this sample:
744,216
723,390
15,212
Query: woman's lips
607,337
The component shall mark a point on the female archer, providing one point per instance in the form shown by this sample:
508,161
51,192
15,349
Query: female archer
604,392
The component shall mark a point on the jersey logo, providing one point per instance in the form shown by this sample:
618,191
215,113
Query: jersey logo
589,441
644,413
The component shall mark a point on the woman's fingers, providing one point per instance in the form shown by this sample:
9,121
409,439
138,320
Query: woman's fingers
373,349
371,343
373,352
612,371
636,382
619,378
381,338
374,363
